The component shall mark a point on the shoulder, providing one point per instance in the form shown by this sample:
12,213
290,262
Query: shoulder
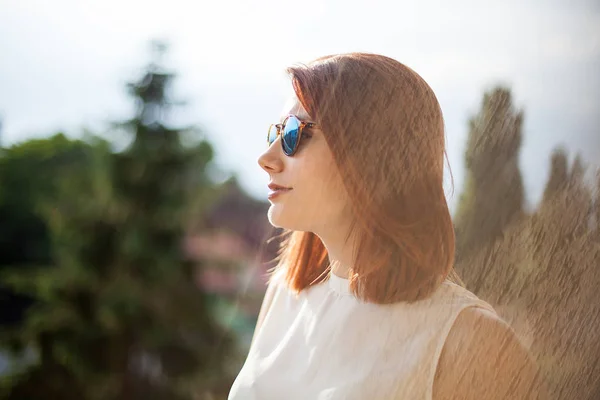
273,283
483,358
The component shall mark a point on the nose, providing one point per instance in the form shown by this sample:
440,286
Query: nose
271,160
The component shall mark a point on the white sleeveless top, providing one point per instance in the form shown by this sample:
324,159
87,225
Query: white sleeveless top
327,344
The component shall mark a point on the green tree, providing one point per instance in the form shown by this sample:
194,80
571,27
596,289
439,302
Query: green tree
121,316
493,196
597,208
563,294
29,176
559,174
563,219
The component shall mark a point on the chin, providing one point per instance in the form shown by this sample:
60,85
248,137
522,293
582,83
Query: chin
279,218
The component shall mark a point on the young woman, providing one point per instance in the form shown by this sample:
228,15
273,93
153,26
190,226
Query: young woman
364,302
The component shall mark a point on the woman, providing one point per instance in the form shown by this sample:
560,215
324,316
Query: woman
364,302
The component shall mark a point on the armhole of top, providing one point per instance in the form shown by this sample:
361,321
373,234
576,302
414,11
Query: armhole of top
442,341
266,304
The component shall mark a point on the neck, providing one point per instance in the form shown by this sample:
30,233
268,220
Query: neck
339,249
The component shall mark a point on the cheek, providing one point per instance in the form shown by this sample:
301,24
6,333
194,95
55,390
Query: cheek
319,195
327,188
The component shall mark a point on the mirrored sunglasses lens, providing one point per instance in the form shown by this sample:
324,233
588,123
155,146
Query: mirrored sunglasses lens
272,136
290,134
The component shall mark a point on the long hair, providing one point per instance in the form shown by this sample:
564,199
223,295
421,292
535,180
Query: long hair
385,129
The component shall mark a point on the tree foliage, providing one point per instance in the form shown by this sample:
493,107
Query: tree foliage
29,178
493,196
540,271
120,315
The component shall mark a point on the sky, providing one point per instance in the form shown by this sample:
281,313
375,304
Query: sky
64,64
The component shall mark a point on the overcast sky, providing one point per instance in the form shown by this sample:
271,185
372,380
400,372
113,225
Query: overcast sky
63,65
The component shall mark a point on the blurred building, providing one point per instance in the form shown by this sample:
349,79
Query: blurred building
233,258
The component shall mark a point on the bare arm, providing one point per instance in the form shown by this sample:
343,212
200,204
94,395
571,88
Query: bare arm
483,359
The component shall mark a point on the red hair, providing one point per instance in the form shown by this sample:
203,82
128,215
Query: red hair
385,128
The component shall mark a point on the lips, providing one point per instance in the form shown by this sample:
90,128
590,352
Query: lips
276,191
275,187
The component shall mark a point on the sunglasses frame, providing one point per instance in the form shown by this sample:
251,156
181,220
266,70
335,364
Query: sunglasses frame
281,127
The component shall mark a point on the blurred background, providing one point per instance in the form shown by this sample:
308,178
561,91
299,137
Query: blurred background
133,219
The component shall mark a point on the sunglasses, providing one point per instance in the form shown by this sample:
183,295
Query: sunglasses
290,131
